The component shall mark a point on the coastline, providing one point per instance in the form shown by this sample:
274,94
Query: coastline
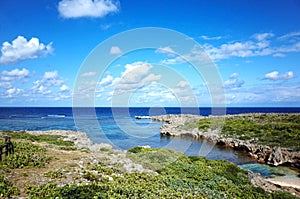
175,125
89,155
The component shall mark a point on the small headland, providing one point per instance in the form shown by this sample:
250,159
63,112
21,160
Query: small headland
272,139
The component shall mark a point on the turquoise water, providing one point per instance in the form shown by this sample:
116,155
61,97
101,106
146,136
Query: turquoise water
272,172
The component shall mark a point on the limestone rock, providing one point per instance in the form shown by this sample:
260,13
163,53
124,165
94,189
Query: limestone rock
275,157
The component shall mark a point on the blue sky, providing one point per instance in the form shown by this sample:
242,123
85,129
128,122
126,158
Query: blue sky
254,45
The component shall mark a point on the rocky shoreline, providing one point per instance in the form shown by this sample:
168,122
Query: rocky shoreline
118,157
174,125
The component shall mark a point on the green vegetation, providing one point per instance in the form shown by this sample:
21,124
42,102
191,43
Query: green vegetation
174,176
6,188
54,174
265,129
26,155
180,177
46,138
188,125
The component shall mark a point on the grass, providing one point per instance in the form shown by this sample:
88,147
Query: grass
267,129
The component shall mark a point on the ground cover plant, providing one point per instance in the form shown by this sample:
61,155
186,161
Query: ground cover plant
173,175
266,129
50,139
183,177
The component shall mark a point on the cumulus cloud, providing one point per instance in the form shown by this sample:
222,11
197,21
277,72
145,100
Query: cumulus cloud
49,79
234,82
50,75
64,88
115,50
234,76
106,81
87,8
257,45
21,49
276,76
136,75
13,92
238,49
15,74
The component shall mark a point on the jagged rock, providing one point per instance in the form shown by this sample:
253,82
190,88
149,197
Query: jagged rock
275,157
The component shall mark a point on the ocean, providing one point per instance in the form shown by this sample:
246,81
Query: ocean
118,126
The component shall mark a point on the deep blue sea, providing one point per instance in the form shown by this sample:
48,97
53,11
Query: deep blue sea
119,127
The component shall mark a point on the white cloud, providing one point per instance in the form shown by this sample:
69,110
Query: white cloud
153,94
136,75
234,82
295,47
204,37
5,85
238,49
49,80
293,36
64,88
166,50
88,74
234,76
176,60
258,45
262,36
43,90
278,55
182,84
15,74
13,92
61,97
265,94
21,49
276,76
106,81
87,8
50,75
115,50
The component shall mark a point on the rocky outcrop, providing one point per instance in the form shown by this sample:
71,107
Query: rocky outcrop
275,157
270,185
80,139
174,125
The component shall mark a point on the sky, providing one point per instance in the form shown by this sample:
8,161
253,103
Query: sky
253,49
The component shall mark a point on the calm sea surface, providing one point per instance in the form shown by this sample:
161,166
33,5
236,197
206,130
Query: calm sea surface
119,127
